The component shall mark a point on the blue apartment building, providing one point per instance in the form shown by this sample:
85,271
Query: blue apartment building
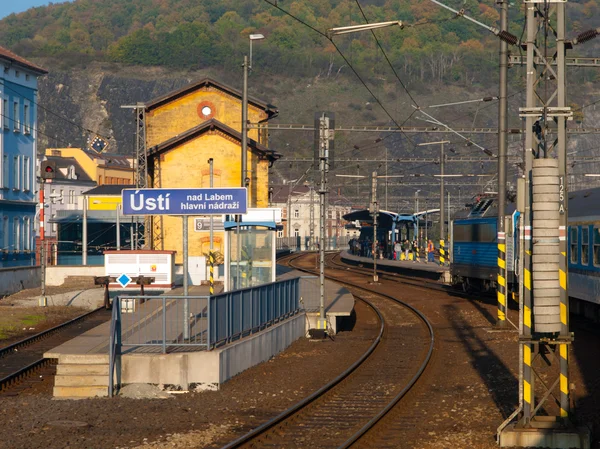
18,149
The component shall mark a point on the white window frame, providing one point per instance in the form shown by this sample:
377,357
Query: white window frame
16,116
26,173
26,117
53,224
6,233
16,235
26,233
4,112
71,196
17,173
53,196
5,171
62,196
296,213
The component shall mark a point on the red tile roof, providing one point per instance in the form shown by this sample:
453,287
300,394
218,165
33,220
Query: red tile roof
12,57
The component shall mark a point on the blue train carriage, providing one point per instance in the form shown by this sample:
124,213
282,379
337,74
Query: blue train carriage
474,246
584,253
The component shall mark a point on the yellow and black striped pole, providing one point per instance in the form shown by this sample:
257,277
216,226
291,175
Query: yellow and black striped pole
527,347
442,253
211,265
501,322
564,321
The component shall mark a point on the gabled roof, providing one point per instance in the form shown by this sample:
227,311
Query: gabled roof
14,58
110,159
207,82
66,162
109,189
208,126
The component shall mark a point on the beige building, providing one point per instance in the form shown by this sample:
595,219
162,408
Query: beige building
103,168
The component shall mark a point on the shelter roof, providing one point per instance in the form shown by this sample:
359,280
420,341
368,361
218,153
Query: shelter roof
208,82
14,58
384,218
212,125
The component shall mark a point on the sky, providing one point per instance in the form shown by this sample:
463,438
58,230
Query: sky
9,6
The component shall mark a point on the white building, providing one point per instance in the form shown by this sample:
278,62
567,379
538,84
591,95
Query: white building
301,214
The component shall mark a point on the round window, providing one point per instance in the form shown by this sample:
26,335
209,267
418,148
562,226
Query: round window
206,110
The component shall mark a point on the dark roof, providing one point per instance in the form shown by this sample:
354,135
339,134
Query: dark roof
211,125
584,203
109,189
66,162
207,82
13,57
111,160
384,218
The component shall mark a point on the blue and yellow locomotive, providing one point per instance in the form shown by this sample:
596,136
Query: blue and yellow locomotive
474,249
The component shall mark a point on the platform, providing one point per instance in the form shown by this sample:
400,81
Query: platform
192,367
420,268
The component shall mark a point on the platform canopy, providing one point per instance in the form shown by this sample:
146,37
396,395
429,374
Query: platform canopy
385,218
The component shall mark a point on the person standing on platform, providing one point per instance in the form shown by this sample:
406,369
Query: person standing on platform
397,250
406,249
414,250
430,251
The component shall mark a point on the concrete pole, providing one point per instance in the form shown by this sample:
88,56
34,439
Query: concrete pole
322,192
565,409
245,124
442,211
43,302
186,304
84,236
375,212
211,254
502,157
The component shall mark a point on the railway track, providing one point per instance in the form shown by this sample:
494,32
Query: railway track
343,411
20,361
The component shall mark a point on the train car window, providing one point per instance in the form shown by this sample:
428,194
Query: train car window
585,245
462,233
574,247
596,246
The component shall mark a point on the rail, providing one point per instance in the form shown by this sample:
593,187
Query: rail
307,244
184,323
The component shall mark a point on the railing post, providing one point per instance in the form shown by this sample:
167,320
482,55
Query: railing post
227,298
164,325
208,326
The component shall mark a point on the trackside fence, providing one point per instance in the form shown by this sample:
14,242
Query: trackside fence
185,323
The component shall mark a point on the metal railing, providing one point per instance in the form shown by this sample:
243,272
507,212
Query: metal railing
196,322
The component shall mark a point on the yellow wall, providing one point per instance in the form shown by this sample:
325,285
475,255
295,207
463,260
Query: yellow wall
181,114
103,202
186,166
94,168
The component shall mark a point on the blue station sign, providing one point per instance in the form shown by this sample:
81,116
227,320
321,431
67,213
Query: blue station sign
184,201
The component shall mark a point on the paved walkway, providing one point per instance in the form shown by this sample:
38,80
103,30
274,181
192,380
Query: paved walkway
431,270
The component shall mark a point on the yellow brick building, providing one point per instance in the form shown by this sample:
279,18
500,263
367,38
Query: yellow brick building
103,168
186,128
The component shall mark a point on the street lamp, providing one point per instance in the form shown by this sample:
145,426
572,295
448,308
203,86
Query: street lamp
246,65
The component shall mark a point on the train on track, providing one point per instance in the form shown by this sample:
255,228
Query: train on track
474,249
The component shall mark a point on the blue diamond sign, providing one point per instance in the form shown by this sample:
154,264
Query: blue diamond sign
124,280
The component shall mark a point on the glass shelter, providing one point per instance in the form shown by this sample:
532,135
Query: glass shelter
250,248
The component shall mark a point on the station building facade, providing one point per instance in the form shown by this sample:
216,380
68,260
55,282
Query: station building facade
18,149
186,128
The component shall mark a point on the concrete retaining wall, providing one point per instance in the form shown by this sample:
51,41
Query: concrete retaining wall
209,369
15,279
56,274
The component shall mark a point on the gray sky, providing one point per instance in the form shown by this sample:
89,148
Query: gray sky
7,7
